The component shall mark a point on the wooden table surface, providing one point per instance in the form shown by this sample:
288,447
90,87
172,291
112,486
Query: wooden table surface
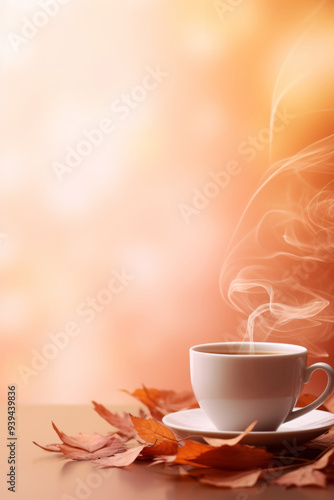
46,476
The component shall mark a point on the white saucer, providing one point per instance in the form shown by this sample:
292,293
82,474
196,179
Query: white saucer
195,423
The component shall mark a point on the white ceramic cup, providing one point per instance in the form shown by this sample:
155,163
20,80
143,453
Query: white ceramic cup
233,390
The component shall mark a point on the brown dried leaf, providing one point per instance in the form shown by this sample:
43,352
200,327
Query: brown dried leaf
85,446
231,441
116,446
237,457
87,442
49,447
323,442
306,399
226,479
308,475
120,459
122,422
161,438
161,402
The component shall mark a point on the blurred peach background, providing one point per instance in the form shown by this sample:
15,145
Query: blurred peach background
133,134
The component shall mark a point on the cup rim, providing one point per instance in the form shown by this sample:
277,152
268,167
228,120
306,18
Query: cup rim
289,349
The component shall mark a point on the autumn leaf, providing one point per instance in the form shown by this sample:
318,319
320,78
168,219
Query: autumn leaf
306,399
122,422
49,447
120,459
88,442
161,438
308,475
226,479
237,457
161,402
146,428
323,442
116,446
190,451
85,446
231,441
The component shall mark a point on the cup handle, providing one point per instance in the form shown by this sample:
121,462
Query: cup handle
312,406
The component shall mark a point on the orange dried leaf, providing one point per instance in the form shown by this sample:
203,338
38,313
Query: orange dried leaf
190,451
226,479
161,402
120,459
161,438
237,457
308,475
148,428
171,401
159,449
122,422
87,442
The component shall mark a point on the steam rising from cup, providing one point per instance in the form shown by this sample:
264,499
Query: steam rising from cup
285,284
